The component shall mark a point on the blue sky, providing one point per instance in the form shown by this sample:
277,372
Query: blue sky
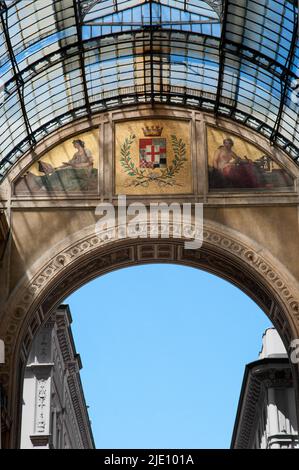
163,350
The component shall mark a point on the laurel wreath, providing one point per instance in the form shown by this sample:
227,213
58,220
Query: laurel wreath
144,176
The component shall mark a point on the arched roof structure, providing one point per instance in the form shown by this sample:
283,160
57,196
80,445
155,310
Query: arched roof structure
62,60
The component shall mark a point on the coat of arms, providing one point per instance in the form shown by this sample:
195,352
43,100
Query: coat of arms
153,165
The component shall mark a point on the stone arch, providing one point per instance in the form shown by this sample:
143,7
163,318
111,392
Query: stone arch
234,244
86,255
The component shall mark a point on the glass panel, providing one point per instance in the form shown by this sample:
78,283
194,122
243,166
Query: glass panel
124,62
98,9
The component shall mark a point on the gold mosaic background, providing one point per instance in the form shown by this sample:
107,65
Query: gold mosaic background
241,147
123,182
65,151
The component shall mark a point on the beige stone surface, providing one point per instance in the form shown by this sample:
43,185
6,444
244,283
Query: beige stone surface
251,238
34,232
275,228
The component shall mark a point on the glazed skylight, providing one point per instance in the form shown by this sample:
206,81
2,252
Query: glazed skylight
65,59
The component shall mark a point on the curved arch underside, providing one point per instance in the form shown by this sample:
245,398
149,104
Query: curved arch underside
76,260
65,59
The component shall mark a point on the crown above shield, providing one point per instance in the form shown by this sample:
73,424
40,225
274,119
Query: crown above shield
152,131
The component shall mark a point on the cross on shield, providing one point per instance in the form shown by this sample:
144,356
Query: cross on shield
152,153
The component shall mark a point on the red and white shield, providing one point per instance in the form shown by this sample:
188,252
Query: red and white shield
152,153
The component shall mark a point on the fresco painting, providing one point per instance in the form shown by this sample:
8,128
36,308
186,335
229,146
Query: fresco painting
70,167
235,164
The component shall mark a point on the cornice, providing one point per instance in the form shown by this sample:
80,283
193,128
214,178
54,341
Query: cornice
258,377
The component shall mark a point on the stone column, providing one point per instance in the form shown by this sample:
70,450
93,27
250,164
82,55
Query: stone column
36,417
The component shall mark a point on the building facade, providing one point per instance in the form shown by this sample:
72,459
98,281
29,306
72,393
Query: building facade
177,102
54,414
266,416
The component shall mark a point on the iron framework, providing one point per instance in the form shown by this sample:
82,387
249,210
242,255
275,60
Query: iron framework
62,60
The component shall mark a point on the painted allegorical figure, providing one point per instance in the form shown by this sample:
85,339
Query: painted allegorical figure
77,174
230,171
81,159
234,169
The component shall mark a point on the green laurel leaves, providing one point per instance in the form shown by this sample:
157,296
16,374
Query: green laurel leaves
143,177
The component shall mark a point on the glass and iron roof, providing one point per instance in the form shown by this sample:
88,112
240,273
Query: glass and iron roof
61,60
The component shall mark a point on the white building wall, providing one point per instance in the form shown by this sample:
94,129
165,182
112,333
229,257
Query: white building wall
28,413
273,403
49,419
272,345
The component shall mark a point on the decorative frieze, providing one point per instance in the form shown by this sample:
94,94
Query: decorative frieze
92,256
223,253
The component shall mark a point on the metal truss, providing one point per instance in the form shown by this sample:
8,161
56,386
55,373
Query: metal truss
150,34
255,57
286,76
187,99
78,17
18,77
217,5
221,57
